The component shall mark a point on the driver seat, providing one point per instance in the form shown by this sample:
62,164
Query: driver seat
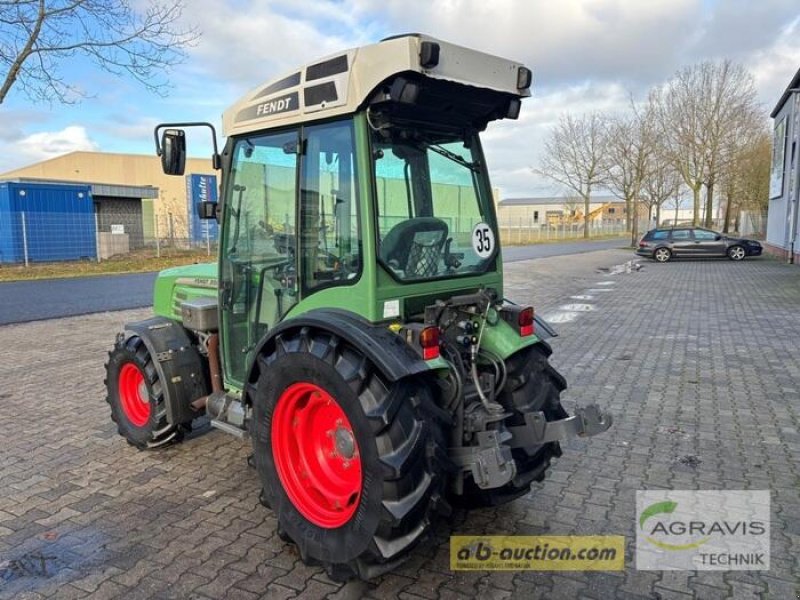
415,245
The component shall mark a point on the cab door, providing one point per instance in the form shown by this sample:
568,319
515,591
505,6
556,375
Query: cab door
258,262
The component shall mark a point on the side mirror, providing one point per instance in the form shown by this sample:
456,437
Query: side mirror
173,151
718,238
207,210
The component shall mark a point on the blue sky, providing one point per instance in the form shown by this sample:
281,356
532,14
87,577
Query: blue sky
585,54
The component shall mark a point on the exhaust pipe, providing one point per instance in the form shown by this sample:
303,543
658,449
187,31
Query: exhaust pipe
214,369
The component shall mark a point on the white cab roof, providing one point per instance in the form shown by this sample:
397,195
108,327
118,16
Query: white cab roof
340,83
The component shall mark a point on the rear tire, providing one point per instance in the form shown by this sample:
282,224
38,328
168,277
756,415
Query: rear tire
662,255
342,410
533,385
736,253
136,396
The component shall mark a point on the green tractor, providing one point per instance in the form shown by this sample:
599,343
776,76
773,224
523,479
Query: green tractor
354,326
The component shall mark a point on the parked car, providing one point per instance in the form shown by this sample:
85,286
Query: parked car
662,244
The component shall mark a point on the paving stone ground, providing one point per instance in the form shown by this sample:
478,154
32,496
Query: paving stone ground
695,359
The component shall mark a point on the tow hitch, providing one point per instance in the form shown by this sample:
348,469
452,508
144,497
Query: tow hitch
586,421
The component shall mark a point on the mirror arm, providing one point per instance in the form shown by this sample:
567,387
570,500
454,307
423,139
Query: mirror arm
216,159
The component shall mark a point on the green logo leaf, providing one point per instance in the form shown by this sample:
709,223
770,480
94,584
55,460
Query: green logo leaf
666,506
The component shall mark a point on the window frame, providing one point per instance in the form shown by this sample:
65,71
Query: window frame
483,190
305,291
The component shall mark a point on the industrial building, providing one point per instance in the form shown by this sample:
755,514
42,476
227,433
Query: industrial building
783,226
48,208
164,214
605,212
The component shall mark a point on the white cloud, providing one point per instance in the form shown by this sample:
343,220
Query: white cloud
46,144
774,66
736,28
513,147
249,45
123,128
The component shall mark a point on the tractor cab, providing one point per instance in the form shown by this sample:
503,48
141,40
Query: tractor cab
358,182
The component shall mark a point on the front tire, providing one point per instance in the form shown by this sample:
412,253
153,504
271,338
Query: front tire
136,396
736,253
349,461
662,255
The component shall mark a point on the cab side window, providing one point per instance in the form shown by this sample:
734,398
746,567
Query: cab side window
330,243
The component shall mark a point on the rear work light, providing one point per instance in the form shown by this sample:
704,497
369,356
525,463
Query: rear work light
525,320
520,318
429,340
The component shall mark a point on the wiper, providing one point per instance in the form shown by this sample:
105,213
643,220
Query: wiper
457,158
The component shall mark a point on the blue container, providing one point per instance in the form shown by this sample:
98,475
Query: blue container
48,221
201,188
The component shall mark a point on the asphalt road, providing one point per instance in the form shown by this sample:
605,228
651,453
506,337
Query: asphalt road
22,301
517,253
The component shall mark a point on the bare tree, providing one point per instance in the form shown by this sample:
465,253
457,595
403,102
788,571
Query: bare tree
663,183
733,120
746,179
631,143
38,36
575,157
679,118
706,111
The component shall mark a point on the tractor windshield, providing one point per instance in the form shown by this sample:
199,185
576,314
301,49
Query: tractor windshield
435,213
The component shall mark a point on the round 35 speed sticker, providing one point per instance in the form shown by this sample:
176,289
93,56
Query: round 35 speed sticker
483,240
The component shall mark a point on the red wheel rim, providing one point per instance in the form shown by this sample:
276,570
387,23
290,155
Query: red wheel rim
133,395
316,455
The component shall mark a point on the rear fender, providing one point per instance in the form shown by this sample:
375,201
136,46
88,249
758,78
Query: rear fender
385,349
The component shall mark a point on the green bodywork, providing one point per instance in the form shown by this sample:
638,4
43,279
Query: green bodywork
375,294
178,284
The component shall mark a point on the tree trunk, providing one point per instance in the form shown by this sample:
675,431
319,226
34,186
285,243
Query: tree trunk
635,222
709,204
627,214
658,214
696,207
586,199
726,223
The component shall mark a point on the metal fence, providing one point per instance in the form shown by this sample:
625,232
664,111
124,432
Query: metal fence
524,232
49,237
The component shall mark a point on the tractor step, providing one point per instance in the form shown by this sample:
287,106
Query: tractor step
228,428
